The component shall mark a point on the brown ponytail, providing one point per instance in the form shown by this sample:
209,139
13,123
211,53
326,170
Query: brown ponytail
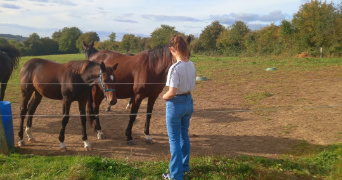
180,45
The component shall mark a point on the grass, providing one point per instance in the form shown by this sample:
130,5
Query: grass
325,164
304,161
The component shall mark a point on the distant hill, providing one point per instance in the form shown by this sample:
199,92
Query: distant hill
14,37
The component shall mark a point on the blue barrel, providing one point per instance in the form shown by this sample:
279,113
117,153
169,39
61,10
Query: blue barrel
6,115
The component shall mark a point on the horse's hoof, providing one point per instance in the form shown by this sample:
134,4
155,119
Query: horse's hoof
32,140
21,143
131,142
149,141
128,106
88,148
108,109
63,149
100,136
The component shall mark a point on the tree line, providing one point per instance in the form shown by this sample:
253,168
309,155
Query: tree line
316,25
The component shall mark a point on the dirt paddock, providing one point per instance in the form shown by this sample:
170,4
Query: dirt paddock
225,122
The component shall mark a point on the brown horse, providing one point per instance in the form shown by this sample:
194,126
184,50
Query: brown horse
9,60
144,76
69,82
89,51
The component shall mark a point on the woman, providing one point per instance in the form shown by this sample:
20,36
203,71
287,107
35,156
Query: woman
181,80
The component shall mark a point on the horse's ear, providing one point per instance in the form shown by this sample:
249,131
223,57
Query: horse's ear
115,66
84,45
103,67
92,44
188,39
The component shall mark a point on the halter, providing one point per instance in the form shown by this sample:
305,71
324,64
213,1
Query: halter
103,87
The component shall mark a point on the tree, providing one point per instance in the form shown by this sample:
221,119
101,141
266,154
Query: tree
162,36
57,35
287,36
210,34
88,38
19,46
129,43
238,31
315,22
34,45
112,37
67,40
232,39
50,46
3,41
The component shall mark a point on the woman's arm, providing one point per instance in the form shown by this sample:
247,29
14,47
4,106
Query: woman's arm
170,93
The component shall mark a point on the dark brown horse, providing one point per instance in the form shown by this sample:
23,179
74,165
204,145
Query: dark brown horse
69,82
144,76
9,60
89,51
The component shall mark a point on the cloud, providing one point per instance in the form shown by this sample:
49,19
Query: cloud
9,6
10,0
119,35
224,19
273,16
245,16
248,17
74,15
64,2
169,18
125,20
40,0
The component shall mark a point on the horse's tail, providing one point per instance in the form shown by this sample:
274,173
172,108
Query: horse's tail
13,53
90,109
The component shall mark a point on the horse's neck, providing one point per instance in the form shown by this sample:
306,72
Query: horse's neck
91,75
94,52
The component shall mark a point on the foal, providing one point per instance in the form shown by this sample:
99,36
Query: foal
68,82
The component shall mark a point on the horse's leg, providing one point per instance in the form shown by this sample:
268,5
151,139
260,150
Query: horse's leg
31,110
129,104
150,104
134,110
98,97
26,93
4,82
66,110
82,106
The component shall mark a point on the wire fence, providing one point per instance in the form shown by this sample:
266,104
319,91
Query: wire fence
208,111
195,112
229,80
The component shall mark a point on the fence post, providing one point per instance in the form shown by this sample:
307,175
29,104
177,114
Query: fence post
3,142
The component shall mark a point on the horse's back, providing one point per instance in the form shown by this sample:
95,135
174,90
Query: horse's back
43,76
42,65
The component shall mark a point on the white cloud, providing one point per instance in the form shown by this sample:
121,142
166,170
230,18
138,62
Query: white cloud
138,16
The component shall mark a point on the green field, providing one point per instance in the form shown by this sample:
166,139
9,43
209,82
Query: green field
303,162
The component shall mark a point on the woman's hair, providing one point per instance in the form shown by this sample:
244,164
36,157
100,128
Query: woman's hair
180,45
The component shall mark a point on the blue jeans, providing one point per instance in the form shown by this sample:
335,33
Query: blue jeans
178,114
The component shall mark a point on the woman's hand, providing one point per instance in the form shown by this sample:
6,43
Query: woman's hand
170,93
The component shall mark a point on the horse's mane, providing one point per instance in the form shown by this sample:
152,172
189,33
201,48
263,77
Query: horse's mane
12,53
78,67
156,53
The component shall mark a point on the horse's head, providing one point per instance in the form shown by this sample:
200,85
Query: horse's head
107,82
89,50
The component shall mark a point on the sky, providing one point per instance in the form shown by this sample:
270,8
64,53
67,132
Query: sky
138,17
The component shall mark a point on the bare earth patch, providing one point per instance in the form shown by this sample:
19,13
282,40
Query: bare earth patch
232,117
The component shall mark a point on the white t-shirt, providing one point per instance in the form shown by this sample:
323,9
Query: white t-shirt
182,75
